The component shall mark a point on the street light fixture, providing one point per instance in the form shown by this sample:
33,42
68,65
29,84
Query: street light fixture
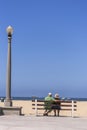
8,101
9,30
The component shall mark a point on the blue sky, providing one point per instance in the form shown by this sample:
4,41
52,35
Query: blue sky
49,47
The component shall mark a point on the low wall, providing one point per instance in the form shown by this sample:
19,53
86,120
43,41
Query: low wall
27,108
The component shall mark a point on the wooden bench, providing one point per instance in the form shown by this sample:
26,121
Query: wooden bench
66,105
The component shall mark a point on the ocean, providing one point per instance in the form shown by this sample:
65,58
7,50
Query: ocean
30,98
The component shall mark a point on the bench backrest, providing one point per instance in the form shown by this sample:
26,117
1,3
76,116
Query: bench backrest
67,105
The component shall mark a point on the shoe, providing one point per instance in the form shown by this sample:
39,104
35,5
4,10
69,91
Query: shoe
45,114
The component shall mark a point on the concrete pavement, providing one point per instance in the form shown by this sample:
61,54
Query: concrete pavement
14,122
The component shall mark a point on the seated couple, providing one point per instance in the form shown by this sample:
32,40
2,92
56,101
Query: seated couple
52,104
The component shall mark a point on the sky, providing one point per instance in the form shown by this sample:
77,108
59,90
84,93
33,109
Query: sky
49,47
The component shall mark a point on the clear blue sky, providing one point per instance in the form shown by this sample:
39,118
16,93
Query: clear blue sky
49,47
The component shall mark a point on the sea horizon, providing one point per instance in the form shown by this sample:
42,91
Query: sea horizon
35,97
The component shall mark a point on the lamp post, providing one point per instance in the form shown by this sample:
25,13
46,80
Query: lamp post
8,101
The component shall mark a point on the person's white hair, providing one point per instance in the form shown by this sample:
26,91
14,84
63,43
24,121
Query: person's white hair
56,95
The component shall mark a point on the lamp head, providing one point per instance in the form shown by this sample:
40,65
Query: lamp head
9,31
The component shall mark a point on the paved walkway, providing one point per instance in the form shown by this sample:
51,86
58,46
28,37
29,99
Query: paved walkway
42,123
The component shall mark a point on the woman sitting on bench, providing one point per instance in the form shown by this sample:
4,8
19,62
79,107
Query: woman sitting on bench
56,105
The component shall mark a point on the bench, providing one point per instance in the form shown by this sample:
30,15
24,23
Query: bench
66,105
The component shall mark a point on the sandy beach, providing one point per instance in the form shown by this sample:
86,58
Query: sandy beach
27,108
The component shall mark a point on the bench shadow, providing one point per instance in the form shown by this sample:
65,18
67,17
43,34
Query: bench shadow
57,116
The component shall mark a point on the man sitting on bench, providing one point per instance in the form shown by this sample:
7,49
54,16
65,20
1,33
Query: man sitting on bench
48,104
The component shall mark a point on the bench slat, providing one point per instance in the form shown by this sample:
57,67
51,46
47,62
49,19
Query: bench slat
62,101
60,109
62,105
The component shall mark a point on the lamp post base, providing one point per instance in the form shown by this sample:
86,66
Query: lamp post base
7,102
